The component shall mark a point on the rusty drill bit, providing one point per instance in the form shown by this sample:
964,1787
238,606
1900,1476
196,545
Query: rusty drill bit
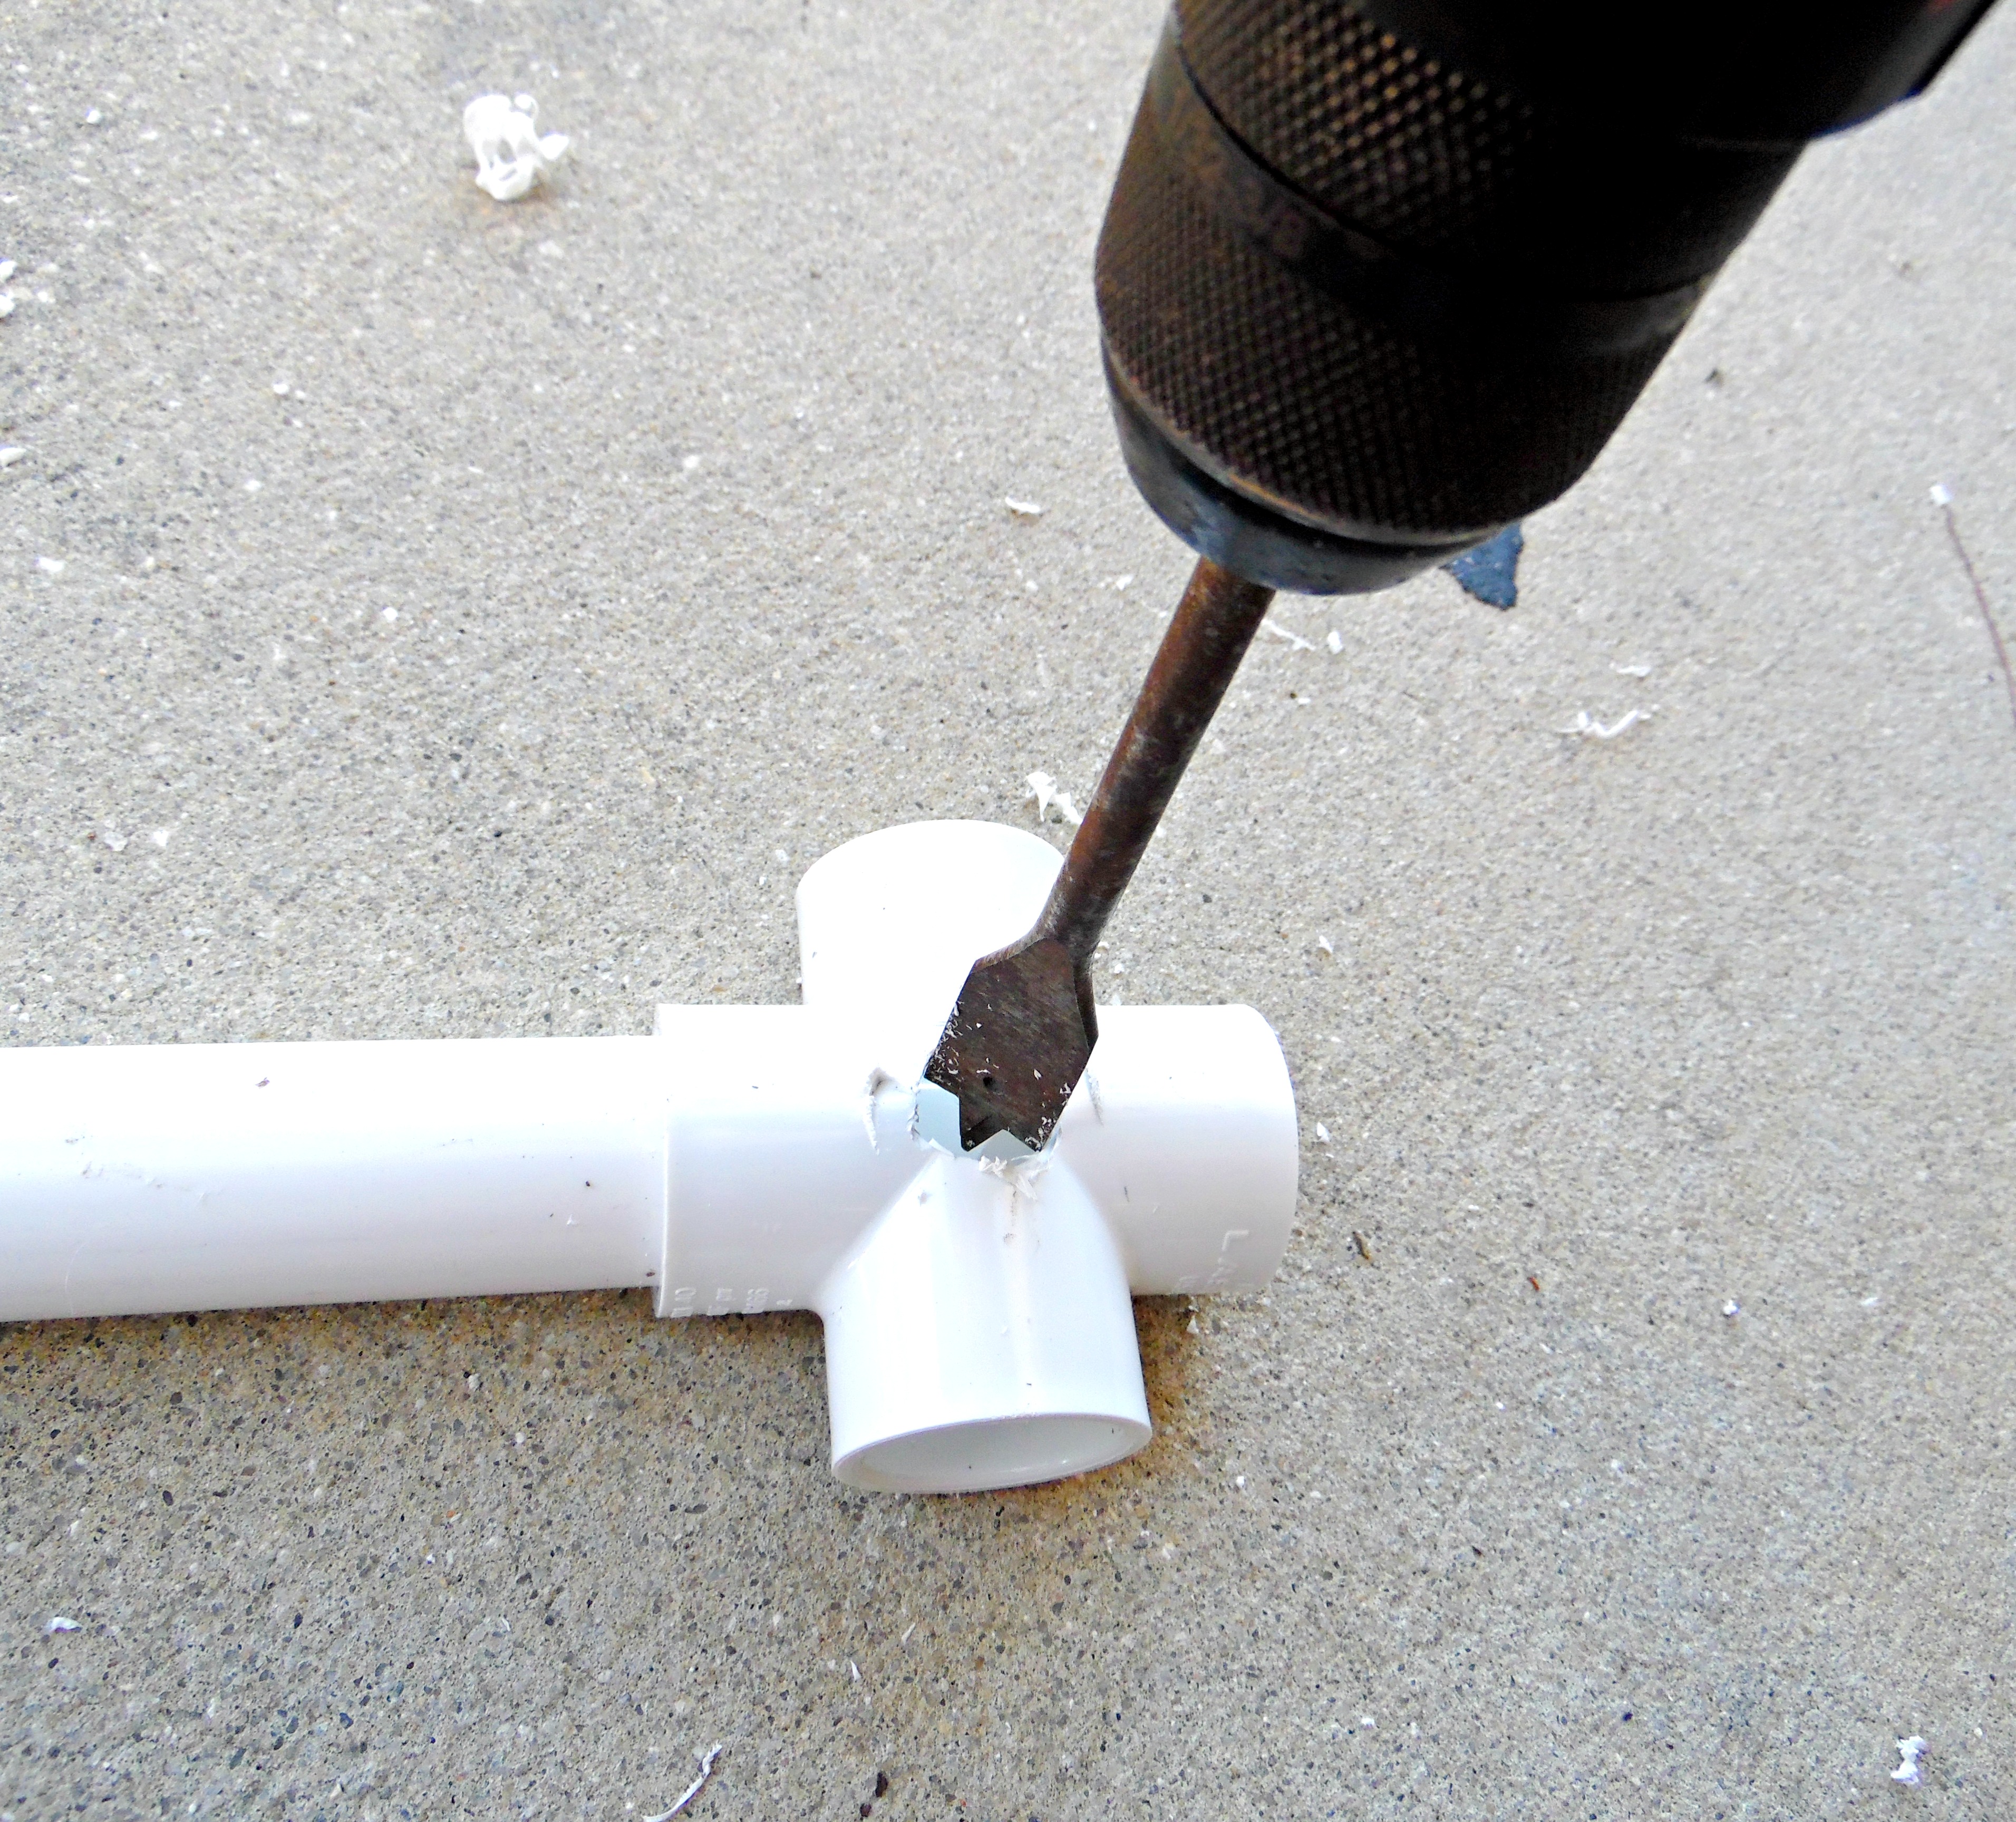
1022,1030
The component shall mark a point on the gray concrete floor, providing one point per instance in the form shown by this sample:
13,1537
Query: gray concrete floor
602,546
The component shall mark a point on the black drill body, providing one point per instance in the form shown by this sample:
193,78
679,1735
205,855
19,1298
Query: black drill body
1378,278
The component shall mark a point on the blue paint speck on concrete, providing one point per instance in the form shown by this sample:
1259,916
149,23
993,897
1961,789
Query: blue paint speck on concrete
1491,572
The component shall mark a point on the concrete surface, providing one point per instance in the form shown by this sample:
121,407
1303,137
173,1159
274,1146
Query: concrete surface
683,480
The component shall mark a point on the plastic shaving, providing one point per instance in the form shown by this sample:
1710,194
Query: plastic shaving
1043,790
1908,1750
60,1624
878,1079
1019,1176
1280,631
511,152
692,1790
1023,508
1586,724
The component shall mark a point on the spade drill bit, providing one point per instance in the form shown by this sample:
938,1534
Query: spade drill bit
1023,1028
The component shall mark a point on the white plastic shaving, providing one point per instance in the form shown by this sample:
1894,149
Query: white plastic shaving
1908,1750
1323,1133
6,270
878,1079
1632,670
60,1624
1023,508
692,1790
1942,494
1280,631
511,152
1019,1176
11,454
1043,789
1335,642
1587,725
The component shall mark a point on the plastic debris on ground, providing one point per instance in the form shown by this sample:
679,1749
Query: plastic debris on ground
60,1624
511,152
1280,631
1023,508
1587,725
1043,789
1908,1750
1490,573
692,1790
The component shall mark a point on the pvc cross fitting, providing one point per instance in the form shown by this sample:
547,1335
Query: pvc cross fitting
979,1332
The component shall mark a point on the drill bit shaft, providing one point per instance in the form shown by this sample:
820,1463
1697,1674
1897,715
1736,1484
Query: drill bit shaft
1023,1028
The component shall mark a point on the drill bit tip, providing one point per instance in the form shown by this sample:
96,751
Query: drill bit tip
1018,1039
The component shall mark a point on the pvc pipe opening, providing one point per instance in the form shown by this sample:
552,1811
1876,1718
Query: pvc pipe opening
992,1452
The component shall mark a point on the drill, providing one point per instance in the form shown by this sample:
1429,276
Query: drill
1378,278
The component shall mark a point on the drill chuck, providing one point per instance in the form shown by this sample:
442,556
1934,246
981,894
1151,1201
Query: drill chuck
1380,278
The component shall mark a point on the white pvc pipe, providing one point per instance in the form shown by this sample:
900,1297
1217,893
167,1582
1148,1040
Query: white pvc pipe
979,1332
205,1176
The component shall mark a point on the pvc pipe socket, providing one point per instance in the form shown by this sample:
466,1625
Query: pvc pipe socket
979,1332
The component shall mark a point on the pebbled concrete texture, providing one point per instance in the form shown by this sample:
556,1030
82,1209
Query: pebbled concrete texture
1629,1432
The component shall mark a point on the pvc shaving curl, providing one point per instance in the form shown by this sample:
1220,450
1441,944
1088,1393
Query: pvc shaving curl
511,153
